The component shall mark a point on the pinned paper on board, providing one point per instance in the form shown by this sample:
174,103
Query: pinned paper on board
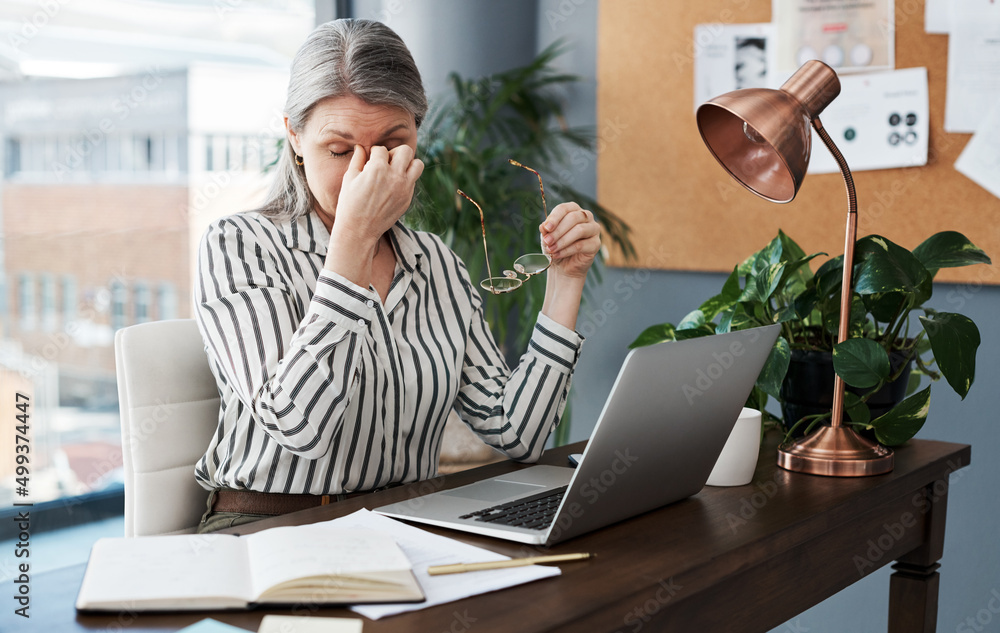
879,121
980,160
731,57
973,67
848,35
937,17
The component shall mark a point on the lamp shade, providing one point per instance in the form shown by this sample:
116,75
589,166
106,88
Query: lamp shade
763,137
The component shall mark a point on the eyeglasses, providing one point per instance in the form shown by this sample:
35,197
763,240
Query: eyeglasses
527,265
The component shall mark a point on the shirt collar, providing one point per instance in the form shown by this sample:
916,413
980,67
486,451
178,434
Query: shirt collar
305,233
404,243
308,233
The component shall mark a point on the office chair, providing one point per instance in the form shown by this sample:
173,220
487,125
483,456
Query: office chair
169,410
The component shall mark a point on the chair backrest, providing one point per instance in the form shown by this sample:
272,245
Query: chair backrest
169,409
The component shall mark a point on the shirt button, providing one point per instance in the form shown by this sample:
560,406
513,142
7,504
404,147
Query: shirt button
371,304
361,322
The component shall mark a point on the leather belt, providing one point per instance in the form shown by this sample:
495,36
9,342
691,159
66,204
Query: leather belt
275,503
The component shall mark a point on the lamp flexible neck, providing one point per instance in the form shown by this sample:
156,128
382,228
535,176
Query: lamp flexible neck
846,293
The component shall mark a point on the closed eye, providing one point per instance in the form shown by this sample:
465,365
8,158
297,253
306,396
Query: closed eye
341,154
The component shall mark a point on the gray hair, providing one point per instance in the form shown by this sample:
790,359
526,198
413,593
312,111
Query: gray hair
361,58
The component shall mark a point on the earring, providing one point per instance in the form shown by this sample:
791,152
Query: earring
299,161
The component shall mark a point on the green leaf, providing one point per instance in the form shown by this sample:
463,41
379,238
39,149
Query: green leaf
770,254
831,318
706,329
954,339
785,314
861,362
763,285
724,300
742,321
789,247
859,316
725,321
805,302
693,320
829,277
655,334
885,307
775,367
856,408
793,275
904,420
888,267
949,249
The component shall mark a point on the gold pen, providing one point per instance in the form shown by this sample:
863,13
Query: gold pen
501,564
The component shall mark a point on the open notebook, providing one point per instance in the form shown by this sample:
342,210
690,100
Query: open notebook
285,565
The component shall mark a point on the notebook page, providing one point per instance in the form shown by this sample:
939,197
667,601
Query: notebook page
424,550
281,554
166,569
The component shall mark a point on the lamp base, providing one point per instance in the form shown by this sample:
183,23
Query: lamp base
835,452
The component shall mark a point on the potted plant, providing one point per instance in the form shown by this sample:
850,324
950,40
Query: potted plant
891,329
465,144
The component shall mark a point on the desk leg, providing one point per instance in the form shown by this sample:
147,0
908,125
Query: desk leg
913,596
913,588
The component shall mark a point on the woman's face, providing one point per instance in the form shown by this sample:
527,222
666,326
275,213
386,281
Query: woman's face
326,142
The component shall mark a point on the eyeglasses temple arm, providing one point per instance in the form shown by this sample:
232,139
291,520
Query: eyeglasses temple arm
482,222
541,187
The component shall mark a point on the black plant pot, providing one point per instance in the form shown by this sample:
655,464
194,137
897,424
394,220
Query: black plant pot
808,387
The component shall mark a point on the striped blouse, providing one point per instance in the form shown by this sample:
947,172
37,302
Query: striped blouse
327,389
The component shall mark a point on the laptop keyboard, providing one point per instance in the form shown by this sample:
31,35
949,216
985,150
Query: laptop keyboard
535,512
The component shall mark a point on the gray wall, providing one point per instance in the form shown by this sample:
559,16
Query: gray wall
451,35
470,37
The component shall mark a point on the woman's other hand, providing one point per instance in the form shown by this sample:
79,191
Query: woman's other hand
572,237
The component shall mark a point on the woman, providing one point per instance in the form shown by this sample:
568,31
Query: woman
341,340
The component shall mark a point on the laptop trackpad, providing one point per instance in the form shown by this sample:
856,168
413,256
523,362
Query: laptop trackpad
492,490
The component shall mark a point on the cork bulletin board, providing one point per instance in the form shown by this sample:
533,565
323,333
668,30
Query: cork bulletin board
688,214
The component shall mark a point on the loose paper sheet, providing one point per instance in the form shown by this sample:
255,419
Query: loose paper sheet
973,63
309,624
848,35
733,56
425,550
980,160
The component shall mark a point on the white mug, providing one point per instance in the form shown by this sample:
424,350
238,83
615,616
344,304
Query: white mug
738,460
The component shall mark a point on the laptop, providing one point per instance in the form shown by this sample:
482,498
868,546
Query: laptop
662,428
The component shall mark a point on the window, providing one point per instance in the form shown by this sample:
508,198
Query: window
47,286
167,301
121,148
13,162
69,299
112,149
126,153
171,154
209,153
118,300
26,300
140,301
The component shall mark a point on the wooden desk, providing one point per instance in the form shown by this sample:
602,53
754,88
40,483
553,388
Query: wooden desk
728,559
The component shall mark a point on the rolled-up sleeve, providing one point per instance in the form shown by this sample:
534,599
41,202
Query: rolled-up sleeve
295,369
515,411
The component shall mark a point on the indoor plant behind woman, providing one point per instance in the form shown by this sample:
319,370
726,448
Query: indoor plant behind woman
891,328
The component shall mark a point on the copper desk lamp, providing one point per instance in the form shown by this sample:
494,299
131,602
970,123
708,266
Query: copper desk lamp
762,138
